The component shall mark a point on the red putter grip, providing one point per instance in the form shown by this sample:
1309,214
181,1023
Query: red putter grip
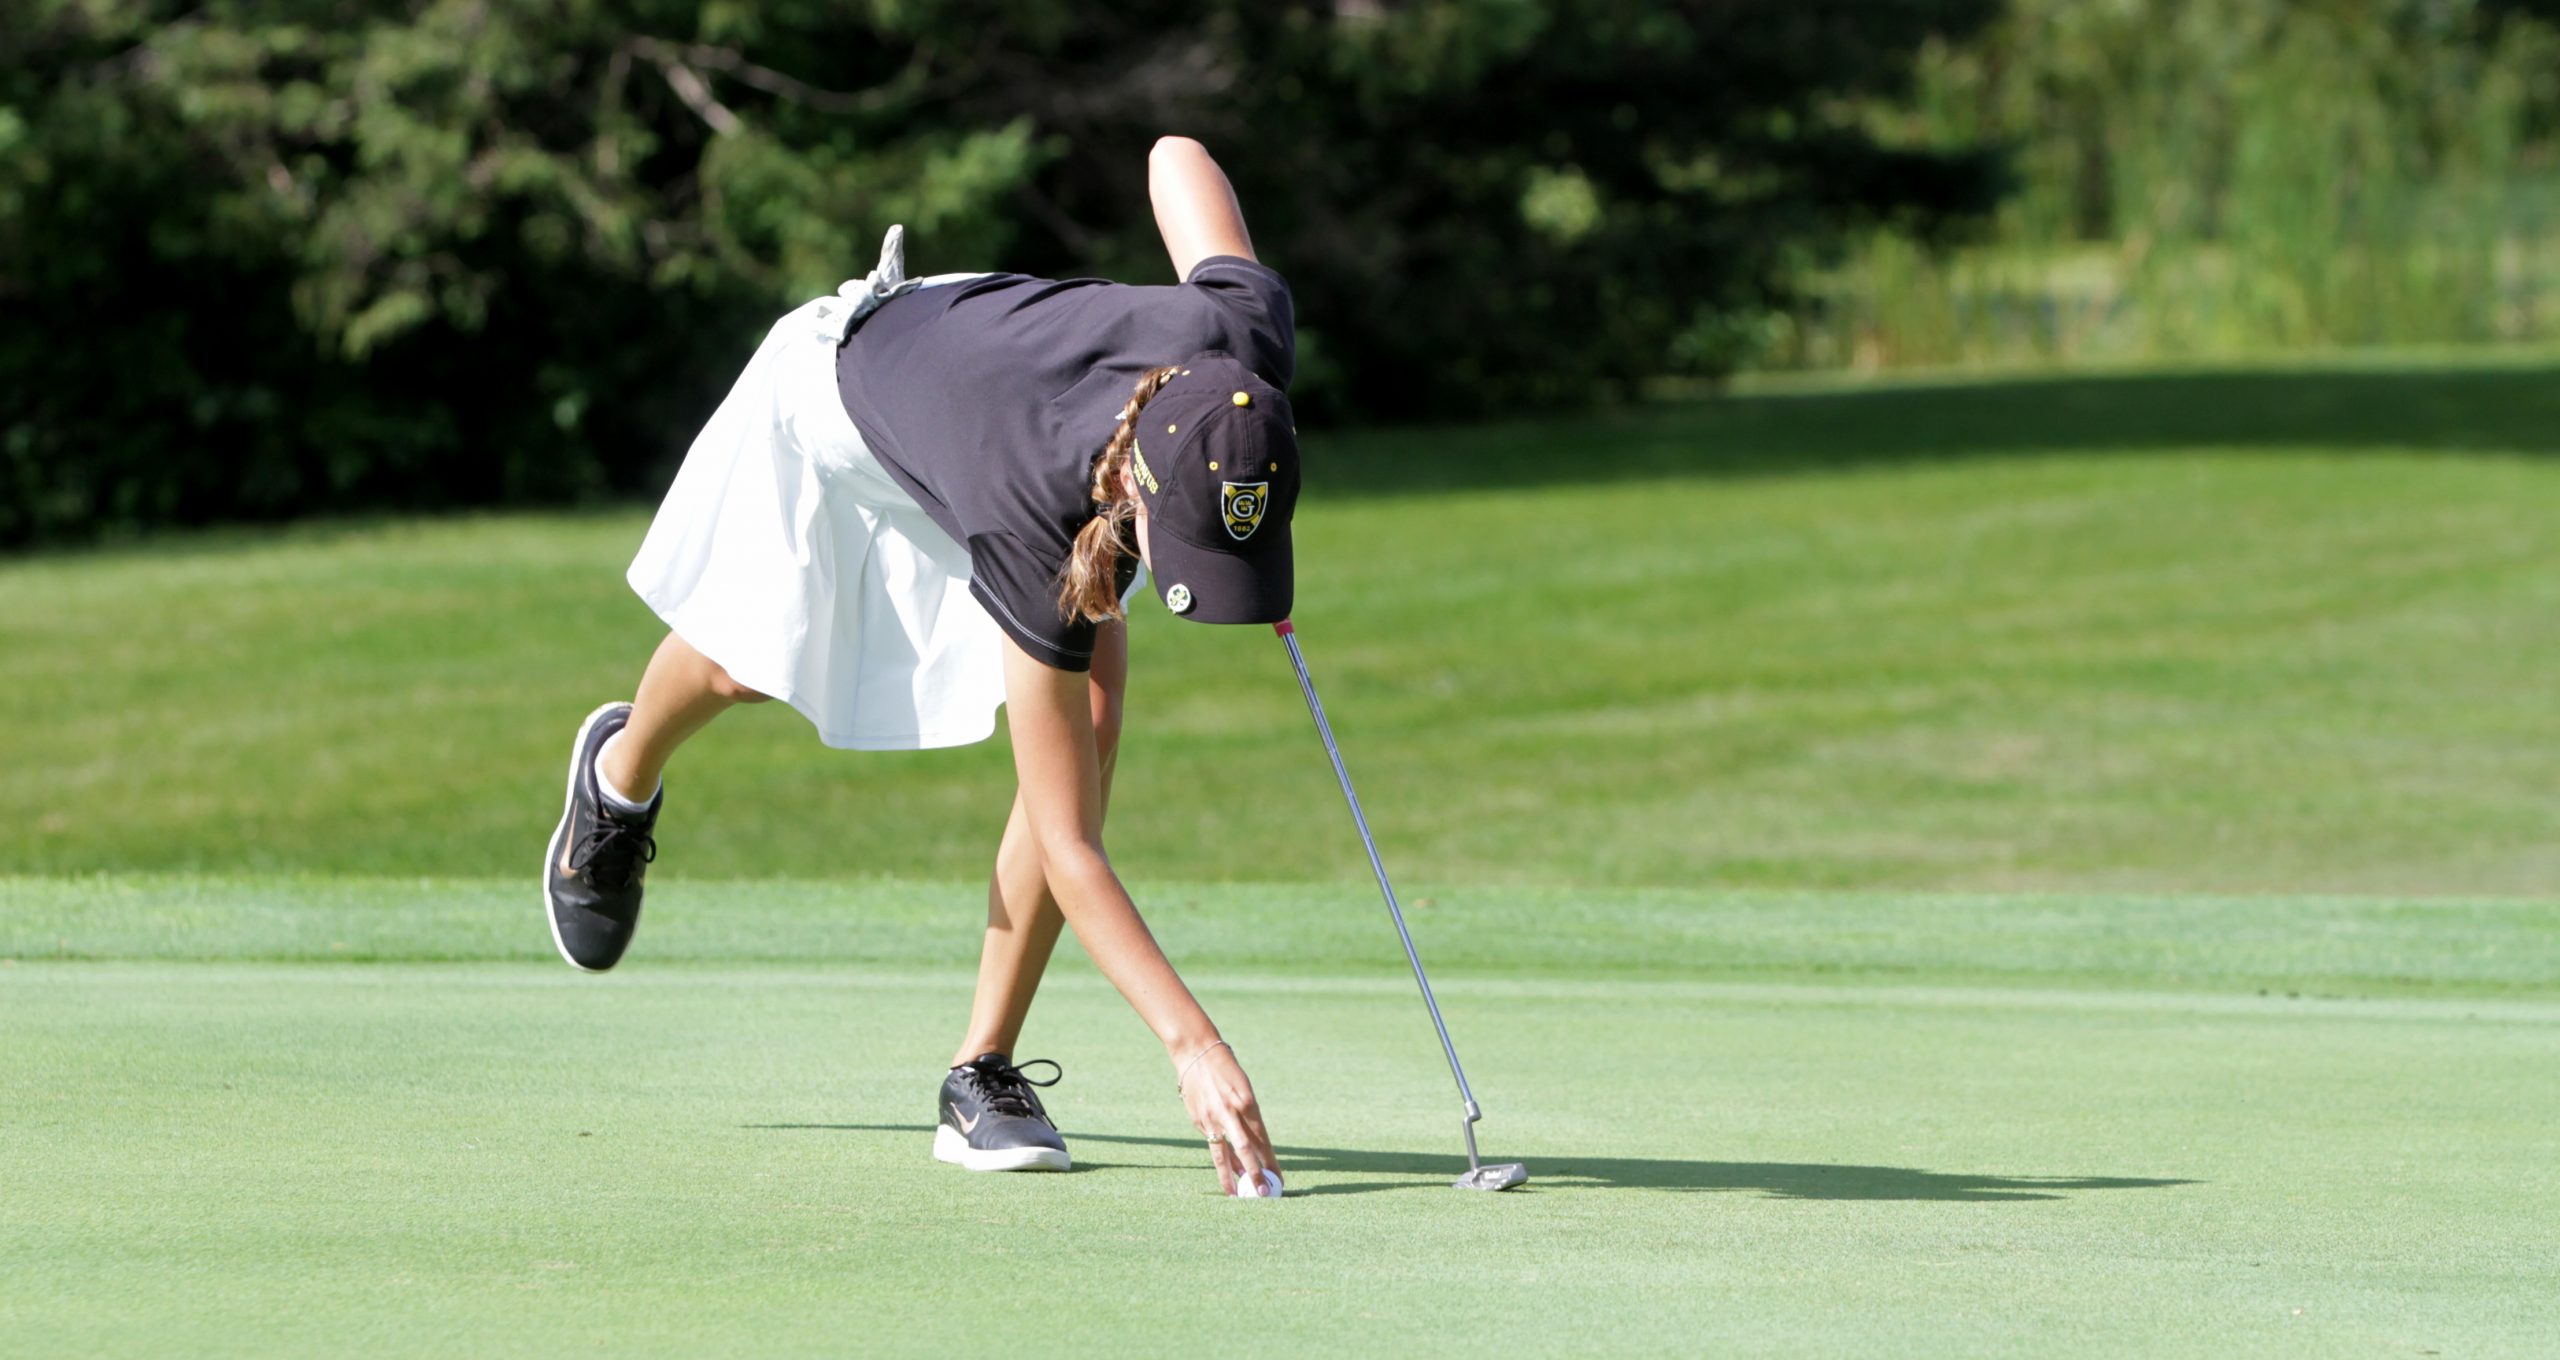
1284,628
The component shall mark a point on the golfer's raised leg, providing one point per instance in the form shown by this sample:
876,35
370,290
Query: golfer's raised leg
594,869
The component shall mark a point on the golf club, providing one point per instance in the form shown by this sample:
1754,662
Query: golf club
1479,1176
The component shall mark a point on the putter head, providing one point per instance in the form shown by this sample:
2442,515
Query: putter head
1501,1177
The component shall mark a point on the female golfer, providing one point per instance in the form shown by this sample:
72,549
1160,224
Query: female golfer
923,500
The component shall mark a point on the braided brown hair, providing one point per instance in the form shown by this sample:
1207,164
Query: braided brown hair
1086,585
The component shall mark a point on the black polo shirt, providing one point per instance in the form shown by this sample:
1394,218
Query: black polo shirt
988,401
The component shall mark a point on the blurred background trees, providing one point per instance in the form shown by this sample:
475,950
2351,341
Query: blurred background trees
266,257
261,258
2220,178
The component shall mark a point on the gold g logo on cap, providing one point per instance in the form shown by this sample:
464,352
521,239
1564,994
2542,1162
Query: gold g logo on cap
1178,599
1243,503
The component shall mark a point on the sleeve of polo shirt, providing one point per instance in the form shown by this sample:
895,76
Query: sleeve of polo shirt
1257,294
1020,590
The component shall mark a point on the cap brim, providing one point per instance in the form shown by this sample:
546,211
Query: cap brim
1257,586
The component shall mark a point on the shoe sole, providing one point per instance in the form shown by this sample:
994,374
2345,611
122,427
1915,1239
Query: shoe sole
551,855
950,1146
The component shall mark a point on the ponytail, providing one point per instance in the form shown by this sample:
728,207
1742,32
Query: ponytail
1087,585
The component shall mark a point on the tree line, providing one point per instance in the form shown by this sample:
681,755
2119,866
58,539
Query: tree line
268,258
2212,178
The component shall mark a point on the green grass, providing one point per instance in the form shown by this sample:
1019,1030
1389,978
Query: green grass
2251,632
1797,1125
2316,946
1971,868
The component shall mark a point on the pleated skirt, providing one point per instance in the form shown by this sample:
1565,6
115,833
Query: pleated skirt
785,552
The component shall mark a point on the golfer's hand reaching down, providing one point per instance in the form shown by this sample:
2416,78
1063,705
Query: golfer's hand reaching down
1220,1100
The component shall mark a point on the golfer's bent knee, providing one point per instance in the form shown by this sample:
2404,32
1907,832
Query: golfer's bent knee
727,687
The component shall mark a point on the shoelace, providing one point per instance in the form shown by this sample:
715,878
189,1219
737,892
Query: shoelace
612,852
1005,1085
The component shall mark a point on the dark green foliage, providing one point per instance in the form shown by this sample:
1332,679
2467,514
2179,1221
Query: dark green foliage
2209,179
267,257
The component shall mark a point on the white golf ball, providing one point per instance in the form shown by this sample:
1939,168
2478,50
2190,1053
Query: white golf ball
1269,1189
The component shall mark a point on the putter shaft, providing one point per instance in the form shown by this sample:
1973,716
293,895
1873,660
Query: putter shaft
1289,634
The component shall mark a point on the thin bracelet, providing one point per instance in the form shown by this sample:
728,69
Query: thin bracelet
1195,1061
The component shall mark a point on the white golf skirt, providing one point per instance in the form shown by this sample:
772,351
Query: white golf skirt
785,552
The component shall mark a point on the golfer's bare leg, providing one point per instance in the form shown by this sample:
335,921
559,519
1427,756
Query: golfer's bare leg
680,693
1023,922
1023,919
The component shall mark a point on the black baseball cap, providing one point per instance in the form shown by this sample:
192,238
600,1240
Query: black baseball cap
1217,464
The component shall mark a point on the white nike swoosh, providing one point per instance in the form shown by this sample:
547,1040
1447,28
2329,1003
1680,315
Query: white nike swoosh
968,1122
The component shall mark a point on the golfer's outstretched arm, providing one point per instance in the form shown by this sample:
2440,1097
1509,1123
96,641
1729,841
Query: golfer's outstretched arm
1059,763
1195,206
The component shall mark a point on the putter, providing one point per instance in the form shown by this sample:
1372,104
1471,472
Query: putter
1479,1176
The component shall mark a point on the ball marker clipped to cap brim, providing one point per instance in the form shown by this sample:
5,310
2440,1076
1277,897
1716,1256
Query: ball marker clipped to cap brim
1220,485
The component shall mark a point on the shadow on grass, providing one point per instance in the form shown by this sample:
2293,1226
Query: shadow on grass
1775,1180
2511,409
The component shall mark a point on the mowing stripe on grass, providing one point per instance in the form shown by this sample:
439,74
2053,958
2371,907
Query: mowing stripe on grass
2341,945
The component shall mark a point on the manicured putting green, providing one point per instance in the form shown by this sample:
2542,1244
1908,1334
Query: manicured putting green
1809,1132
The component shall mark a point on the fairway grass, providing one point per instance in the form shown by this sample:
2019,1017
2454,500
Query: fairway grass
2252,633
1799,1125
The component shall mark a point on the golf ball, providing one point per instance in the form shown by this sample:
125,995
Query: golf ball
1269,1189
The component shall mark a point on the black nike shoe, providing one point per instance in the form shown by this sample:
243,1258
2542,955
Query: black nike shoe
992,1120
591,875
